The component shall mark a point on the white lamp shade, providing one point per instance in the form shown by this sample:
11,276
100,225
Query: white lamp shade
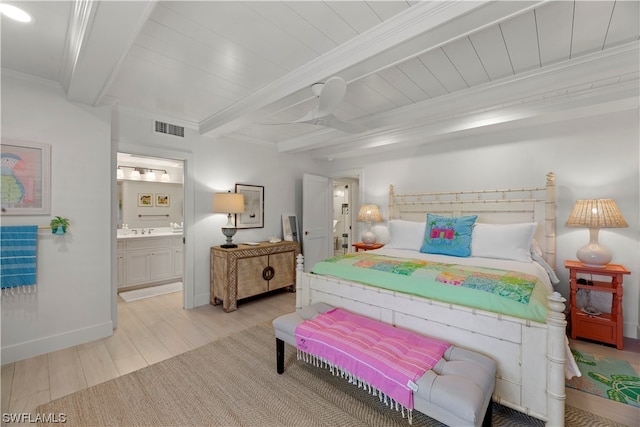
228,203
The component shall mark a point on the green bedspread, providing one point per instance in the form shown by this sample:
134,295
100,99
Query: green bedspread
500,291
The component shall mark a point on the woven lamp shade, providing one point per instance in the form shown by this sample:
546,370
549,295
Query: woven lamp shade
369,213
596,213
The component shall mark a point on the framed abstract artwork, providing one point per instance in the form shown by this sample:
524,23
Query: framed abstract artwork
145,199
25,188
253,215
162,200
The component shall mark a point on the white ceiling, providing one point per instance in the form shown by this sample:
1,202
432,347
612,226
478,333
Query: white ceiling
416,71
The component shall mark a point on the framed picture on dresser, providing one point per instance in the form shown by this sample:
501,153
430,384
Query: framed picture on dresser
290,228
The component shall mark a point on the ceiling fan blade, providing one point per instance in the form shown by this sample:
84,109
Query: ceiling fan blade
334,122
331,96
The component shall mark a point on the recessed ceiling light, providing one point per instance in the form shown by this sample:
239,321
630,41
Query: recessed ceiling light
14,13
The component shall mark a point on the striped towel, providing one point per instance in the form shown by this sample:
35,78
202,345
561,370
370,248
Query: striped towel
18,250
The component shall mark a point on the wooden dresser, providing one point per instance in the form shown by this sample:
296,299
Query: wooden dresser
245,271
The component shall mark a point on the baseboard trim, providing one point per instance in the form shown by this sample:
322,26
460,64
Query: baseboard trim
28,349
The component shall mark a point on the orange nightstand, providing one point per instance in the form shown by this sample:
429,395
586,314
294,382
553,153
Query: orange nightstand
367,246
602,327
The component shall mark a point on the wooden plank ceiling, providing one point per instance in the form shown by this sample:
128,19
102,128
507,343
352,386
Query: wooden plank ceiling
414,70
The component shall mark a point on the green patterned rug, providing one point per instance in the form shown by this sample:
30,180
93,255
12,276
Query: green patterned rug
606,377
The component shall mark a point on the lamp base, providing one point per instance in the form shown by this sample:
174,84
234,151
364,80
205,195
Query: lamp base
229,232
593,254
369,237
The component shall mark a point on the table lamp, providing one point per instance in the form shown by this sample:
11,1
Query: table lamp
369,214
229,203
594,215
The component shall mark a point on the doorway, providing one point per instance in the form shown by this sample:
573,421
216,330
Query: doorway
150,225
345,192
167,155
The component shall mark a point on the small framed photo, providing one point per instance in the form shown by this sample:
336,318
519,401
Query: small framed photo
145,199
26,179
290,228
162,200
253,215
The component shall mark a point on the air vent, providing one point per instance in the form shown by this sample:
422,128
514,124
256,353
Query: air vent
170,129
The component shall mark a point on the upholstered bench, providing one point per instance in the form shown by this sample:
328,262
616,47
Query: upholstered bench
456,391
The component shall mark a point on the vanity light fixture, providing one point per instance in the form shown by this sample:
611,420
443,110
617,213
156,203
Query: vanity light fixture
14,13
149,174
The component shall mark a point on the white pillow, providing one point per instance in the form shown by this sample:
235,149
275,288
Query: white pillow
503,241
406,234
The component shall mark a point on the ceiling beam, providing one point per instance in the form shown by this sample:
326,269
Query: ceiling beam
516,117
393,32
601,71
99,37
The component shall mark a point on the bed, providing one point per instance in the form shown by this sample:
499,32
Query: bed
531,352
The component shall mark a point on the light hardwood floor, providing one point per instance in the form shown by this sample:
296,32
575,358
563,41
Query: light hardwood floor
155,329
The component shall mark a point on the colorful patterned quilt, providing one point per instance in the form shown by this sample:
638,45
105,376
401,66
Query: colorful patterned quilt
500,291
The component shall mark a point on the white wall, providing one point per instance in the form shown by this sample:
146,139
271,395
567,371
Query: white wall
73,301
136,216
595,157
217,166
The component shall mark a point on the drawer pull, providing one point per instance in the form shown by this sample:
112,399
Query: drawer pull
268,273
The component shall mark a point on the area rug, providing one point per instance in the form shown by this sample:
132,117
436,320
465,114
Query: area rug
151,291
606,377
233,382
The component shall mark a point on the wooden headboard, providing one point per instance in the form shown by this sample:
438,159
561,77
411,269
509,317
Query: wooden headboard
502,206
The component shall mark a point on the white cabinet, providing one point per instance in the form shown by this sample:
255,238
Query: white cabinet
149,260
137,269
161,264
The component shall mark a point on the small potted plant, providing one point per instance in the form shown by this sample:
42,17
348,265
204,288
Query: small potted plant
59,225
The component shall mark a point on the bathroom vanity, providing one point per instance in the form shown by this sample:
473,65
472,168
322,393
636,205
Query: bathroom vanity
149,259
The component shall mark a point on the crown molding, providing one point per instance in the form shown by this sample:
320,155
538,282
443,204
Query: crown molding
30,78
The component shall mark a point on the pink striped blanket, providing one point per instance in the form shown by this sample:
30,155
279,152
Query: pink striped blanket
385,357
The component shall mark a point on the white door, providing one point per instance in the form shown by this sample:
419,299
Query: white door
316,219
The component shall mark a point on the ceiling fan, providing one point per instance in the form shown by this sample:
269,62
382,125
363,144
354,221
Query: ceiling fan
330,94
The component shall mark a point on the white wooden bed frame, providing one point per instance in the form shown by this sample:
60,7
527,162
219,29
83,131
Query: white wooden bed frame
530,355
